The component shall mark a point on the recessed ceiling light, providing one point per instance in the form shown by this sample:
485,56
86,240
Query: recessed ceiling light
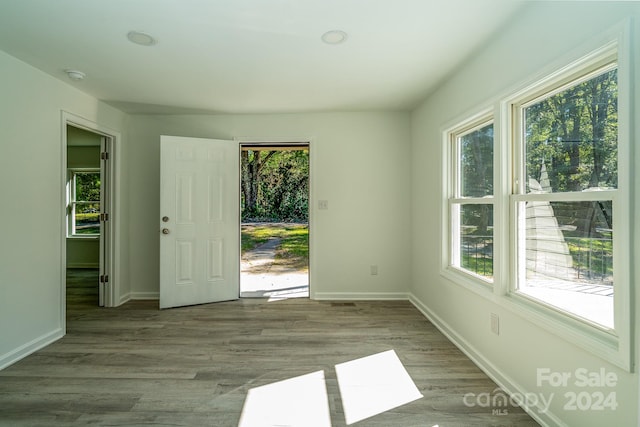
75,75
334,37
143,39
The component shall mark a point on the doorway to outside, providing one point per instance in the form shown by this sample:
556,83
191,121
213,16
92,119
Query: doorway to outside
274,209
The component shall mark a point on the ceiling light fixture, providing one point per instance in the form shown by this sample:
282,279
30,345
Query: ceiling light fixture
143,39
334,37
75,75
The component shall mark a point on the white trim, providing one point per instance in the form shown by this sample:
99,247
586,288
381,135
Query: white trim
505,382
450,242
72,202
141,296
613,346
115,273
124,298
361,296
32,346
84,237
308,141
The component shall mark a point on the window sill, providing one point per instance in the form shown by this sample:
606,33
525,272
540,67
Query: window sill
469,281
596,339
79,237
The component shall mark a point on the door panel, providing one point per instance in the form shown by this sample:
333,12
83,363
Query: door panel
200,252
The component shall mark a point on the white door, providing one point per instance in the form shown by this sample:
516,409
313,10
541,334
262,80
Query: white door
199,221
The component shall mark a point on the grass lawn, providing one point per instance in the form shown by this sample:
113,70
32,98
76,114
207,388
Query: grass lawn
294,249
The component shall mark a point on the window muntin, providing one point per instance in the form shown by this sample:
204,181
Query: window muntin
84,202
471,199
565,196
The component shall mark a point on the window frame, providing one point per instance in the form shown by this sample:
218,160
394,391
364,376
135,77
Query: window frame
613,345
72,203
453,198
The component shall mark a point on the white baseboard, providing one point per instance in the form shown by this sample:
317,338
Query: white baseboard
30,347
144,295
506,383
124,298
362,296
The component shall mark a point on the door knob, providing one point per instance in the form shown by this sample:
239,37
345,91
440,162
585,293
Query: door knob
165,231
165,219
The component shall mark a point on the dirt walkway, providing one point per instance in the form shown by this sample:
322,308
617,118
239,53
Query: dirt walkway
260,278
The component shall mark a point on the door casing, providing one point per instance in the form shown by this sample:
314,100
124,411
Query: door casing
109,238
293,141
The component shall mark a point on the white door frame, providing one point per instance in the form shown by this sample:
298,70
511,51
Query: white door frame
112,297
244,140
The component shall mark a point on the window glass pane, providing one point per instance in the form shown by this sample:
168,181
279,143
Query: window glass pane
87,218
87,186
476,239
569,256
571,138
476,163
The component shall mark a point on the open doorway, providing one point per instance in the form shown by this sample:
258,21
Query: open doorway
274,212
87,223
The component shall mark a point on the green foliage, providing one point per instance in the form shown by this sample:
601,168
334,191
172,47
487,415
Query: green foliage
87,217
476,149
294,248
87,186
281,183
253,236
574,133
571,145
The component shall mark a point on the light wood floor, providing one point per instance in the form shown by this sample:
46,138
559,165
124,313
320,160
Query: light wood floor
193,366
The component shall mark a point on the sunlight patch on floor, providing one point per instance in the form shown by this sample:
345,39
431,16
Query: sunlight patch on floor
368,386
300,401
373,385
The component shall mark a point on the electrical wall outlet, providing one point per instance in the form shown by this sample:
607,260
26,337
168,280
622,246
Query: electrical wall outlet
374,270
323,204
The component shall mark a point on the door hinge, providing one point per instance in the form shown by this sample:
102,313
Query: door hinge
104,217
104,155
104,278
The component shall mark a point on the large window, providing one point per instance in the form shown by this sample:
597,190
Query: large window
471,199
84,202
539,220
566,180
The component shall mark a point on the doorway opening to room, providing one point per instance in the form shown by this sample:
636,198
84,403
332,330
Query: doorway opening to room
87,218
274,212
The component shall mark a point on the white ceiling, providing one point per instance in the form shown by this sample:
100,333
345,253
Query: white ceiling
251,56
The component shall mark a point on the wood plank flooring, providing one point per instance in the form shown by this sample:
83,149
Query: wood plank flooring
193,366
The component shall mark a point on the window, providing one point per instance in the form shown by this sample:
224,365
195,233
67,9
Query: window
471,199
84,202
539,220
565,214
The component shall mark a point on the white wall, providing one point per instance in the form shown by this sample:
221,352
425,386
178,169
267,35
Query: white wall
360,164
538,37
31,176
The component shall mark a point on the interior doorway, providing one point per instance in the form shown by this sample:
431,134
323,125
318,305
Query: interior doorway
88,245
275,220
